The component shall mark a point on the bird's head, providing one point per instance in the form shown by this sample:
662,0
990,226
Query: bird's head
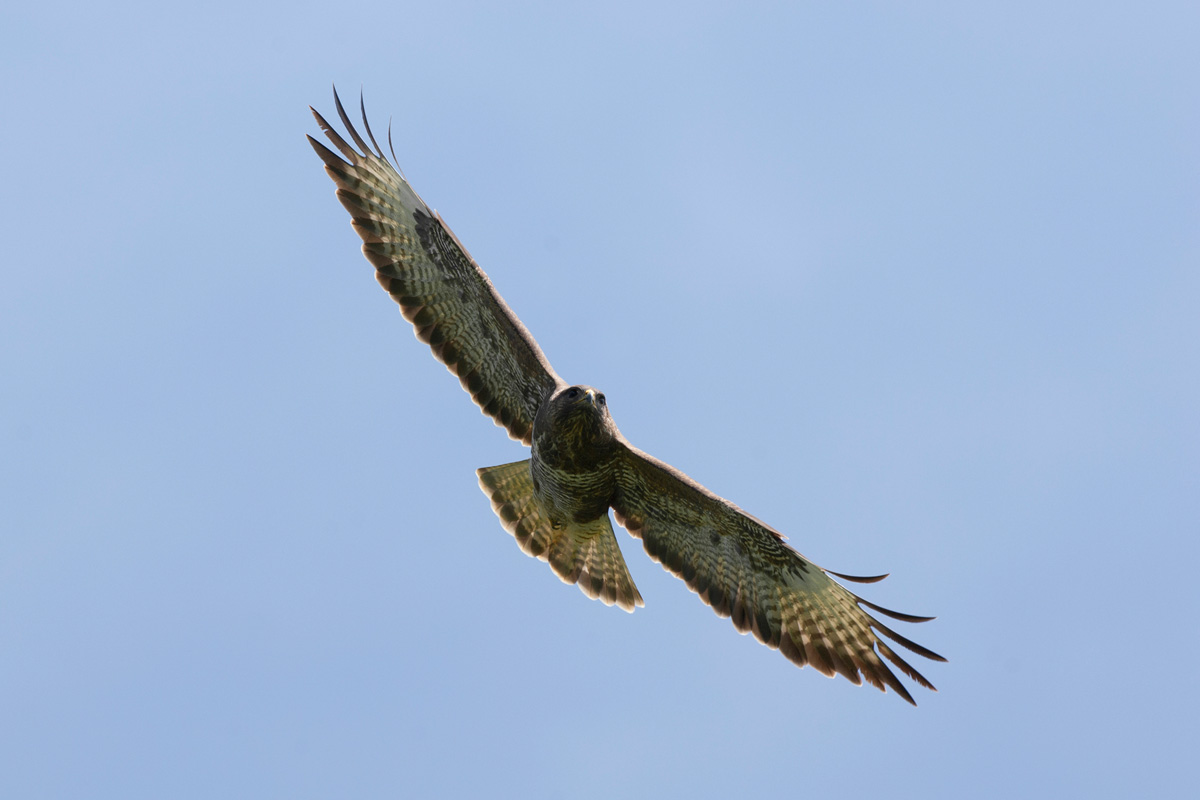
581,413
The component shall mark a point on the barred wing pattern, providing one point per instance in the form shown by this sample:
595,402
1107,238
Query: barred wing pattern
744,570
441,291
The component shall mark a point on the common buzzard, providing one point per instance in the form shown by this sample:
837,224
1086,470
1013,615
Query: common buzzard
556,502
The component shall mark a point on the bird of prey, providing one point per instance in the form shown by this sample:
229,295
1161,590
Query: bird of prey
556,502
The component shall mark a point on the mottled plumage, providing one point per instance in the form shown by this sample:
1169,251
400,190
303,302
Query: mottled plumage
556,503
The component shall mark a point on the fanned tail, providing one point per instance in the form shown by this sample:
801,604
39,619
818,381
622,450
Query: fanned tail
585,554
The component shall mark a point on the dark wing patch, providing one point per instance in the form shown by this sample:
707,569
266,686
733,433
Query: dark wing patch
745,571
440,289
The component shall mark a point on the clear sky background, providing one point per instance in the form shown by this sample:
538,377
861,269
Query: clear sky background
918,284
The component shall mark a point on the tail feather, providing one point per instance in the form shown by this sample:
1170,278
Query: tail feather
585,554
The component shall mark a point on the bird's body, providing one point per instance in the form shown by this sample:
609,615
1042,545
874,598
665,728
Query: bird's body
573,460
556,503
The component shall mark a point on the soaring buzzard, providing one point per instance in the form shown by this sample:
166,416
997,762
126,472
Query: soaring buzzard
556,502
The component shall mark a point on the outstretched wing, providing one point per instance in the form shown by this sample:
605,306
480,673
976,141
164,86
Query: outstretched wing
440,289
744,570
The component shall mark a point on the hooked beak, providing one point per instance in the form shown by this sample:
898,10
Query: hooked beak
590,396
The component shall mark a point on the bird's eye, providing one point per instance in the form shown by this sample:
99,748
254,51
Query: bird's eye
572,393
600,399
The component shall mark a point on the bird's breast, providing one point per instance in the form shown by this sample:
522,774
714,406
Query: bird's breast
572,490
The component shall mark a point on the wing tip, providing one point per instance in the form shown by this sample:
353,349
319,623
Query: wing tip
859,578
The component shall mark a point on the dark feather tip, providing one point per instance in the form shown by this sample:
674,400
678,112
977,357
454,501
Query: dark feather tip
859,578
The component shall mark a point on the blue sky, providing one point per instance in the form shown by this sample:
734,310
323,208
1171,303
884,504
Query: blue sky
916,284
